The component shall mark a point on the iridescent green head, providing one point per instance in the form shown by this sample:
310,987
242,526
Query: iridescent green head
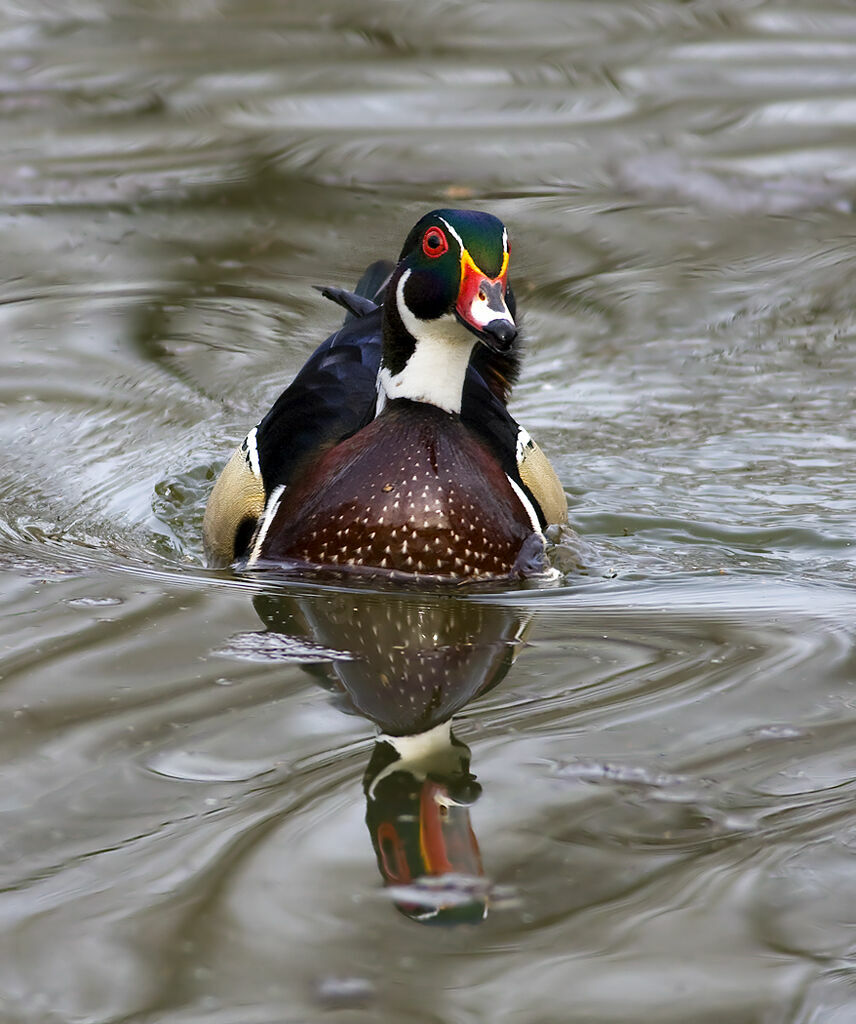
456,262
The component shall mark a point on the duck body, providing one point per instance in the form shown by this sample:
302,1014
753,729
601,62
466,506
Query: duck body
393,451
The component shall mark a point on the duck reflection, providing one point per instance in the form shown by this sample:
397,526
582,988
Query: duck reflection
408,662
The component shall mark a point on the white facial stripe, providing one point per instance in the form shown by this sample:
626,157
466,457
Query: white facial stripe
436,370
527,504
454,234
270,512
460,240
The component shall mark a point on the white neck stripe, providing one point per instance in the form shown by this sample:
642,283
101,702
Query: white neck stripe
435,371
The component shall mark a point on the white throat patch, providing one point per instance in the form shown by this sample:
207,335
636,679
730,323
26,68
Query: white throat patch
436,370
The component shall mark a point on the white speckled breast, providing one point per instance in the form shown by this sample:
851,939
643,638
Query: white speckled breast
414,492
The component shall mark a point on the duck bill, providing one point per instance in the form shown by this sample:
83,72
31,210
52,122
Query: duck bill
481,305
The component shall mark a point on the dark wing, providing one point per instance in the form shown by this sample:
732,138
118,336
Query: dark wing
368,294
332,397
335,394
356,305
372,285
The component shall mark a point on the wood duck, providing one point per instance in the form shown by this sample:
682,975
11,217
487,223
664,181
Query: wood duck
392,452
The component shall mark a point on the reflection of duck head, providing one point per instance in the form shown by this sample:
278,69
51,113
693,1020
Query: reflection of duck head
418,793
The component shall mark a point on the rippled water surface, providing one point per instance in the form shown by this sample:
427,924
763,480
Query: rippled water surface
649,797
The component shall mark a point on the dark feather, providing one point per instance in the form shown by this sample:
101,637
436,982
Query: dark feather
332,397
368,294
356,305
372,285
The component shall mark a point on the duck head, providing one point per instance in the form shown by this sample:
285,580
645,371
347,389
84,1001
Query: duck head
448,293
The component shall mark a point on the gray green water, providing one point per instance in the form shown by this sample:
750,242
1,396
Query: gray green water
667,822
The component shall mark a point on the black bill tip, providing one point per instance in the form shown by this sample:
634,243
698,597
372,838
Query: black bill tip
499,335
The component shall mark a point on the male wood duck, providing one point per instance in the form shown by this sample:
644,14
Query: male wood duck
392,452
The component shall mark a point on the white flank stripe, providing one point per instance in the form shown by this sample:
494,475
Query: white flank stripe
527,504
381,395
270,512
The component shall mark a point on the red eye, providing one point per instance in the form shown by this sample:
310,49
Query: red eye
434,243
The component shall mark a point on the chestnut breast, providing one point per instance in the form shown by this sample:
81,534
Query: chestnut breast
414,492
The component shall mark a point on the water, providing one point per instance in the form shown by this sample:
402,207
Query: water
649,792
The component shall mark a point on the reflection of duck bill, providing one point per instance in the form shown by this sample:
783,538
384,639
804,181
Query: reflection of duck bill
418,814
